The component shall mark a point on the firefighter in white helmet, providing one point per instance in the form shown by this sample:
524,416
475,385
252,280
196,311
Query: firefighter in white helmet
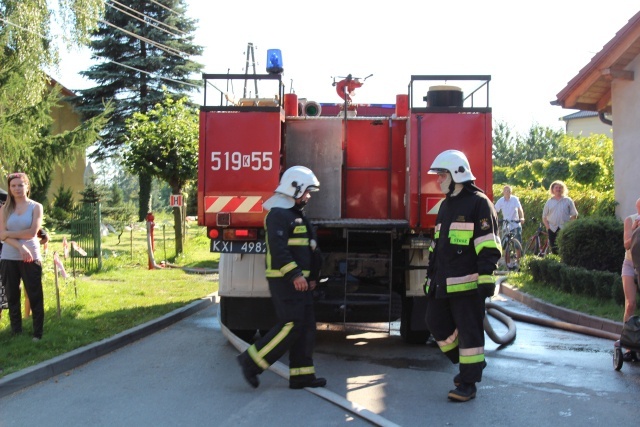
292,269
462,259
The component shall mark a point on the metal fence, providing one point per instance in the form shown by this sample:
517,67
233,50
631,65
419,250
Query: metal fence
85,232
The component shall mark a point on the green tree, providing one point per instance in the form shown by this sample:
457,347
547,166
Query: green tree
164,143
25,35
512,150
59,213
116,195
504,146
539,143
26,99
117,214
142,48
587,171
591,156
557,169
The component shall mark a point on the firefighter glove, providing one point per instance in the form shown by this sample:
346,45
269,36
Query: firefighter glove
486,290
427,286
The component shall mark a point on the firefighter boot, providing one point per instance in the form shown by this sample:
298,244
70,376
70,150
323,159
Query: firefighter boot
457,381
303,381
249,370
463,393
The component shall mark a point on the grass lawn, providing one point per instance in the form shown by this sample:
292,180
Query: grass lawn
124,294
606,309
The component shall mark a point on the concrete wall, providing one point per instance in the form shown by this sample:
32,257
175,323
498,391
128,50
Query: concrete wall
626,140
64,119
585,126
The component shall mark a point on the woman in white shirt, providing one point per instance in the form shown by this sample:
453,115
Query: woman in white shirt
20,220
558,210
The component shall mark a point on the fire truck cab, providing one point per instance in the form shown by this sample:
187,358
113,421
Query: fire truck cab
376,208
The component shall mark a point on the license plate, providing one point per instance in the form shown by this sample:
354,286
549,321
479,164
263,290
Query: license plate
227,247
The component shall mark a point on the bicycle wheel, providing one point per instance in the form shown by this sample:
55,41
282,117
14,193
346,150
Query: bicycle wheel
512,255
533,246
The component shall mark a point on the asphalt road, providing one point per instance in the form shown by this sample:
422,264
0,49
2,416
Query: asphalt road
186,374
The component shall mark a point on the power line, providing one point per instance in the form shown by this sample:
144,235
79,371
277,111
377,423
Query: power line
163,6
146,17
118,63
168,49
140,19
24,29
153,75
165,48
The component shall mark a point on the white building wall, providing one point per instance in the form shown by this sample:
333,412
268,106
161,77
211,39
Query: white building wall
586,126
626,140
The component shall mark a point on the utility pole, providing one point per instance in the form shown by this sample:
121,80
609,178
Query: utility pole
246,70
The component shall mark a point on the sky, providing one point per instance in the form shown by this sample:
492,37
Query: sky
531,50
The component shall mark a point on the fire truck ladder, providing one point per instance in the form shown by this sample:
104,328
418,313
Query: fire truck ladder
351,295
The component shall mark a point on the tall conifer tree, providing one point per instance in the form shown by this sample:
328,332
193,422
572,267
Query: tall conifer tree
142,46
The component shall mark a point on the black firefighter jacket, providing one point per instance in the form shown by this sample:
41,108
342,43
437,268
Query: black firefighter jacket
290,238
466,248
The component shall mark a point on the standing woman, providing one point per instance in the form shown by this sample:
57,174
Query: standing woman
558,210
20,220
3,296
631,224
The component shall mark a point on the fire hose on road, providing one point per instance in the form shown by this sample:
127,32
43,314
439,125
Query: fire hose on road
507,316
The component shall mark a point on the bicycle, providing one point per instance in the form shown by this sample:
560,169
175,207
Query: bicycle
511,247
538,244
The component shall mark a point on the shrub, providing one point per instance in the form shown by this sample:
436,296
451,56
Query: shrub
538,166
533,264
592,243
575,280
557,169
568,279
582,282
59,214
524,175
617,292
604,284
500,176
554,269
587,171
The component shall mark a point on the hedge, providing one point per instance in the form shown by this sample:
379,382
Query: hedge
551,271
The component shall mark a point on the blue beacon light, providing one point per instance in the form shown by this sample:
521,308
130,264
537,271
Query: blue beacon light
274,61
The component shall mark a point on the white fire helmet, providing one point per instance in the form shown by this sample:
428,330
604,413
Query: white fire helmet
293,184
456,163
296,180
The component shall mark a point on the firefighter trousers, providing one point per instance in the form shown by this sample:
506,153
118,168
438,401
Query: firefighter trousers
294,332
456,323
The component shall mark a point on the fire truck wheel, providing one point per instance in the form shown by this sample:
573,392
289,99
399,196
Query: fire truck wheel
415,337
408,334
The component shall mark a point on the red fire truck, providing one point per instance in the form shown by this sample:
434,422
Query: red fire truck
376,208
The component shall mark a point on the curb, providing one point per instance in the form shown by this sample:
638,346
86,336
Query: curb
65,362
564,314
